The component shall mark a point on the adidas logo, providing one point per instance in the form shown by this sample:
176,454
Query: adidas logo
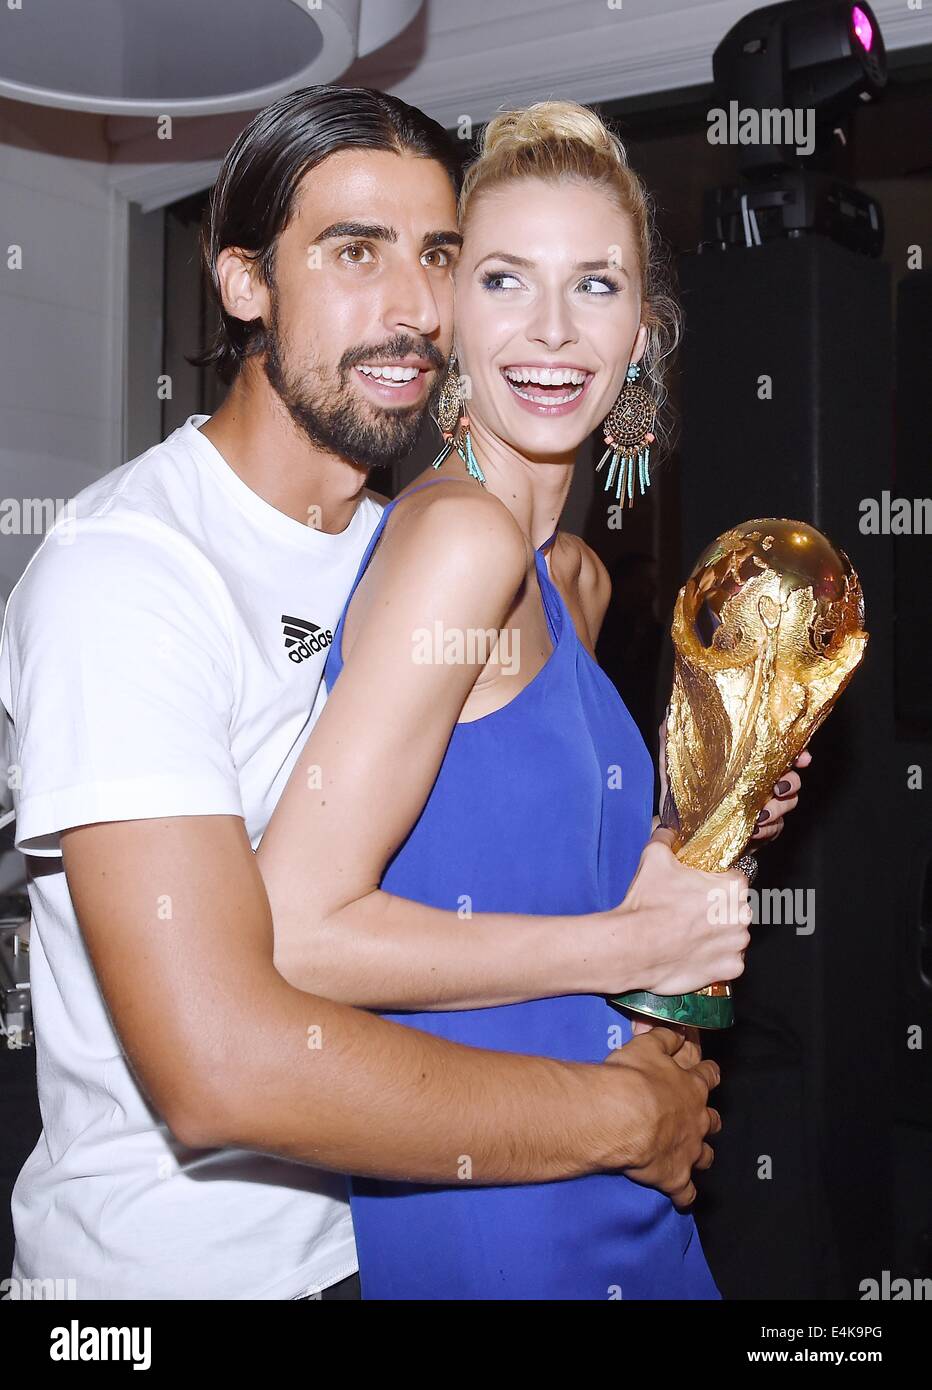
304,639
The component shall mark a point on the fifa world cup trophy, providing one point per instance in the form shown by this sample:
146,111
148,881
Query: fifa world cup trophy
767,632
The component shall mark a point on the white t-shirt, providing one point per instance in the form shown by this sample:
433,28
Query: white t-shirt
161,655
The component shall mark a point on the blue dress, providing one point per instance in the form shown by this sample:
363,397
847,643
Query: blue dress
541,807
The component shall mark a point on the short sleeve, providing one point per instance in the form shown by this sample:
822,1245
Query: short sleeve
118,670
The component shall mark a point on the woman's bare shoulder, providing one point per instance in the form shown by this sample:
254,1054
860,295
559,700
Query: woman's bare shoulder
462,518
452,552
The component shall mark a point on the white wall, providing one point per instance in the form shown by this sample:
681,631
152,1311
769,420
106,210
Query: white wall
61,316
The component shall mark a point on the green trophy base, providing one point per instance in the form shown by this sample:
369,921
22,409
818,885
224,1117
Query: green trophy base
693,1010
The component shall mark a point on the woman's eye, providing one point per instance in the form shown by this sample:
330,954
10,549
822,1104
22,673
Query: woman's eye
357,253
493,280
599,284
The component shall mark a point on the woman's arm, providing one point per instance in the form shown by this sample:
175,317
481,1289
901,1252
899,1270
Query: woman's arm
457,558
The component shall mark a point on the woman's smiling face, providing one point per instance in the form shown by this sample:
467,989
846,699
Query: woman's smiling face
547,312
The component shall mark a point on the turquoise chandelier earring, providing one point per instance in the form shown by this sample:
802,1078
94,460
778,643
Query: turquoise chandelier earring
453,424
627,432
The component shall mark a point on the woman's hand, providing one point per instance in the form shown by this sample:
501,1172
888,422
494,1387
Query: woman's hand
786,795
666,938
784,799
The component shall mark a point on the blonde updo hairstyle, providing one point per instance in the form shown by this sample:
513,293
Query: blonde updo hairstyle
555,140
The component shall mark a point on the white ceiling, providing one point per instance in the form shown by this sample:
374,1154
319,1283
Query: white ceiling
466,58
172,57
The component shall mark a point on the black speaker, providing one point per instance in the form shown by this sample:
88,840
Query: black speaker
912,871
911,483
787,380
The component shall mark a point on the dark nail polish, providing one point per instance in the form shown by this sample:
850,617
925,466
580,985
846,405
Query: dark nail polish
762,816
782,787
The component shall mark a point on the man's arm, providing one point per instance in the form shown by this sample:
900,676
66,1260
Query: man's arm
179,930
127,771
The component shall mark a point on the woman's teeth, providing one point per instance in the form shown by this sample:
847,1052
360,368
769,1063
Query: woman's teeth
390,376
547,380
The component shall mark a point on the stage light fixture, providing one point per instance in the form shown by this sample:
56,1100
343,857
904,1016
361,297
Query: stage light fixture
785,72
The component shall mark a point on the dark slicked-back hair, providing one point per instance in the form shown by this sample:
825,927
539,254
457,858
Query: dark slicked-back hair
252,201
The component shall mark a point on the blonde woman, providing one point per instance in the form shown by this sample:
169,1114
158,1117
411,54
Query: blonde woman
504,794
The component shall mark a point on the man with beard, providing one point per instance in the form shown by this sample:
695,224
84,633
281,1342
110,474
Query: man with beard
161,662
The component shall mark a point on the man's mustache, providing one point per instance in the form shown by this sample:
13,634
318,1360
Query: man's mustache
395,350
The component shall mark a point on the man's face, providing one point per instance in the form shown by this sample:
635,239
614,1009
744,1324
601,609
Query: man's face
360,320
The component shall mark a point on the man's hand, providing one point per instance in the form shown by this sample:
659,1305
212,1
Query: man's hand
691,1035
370,1097
675,1119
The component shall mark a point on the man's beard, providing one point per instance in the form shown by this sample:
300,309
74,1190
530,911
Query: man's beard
332,416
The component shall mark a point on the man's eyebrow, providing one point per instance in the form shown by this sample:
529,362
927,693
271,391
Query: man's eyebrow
441,239
529,265
374,231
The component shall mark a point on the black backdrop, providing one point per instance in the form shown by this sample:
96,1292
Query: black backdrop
812,1069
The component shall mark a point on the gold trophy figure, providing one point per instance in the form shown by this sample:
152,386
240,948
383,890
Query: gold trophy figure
767,632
